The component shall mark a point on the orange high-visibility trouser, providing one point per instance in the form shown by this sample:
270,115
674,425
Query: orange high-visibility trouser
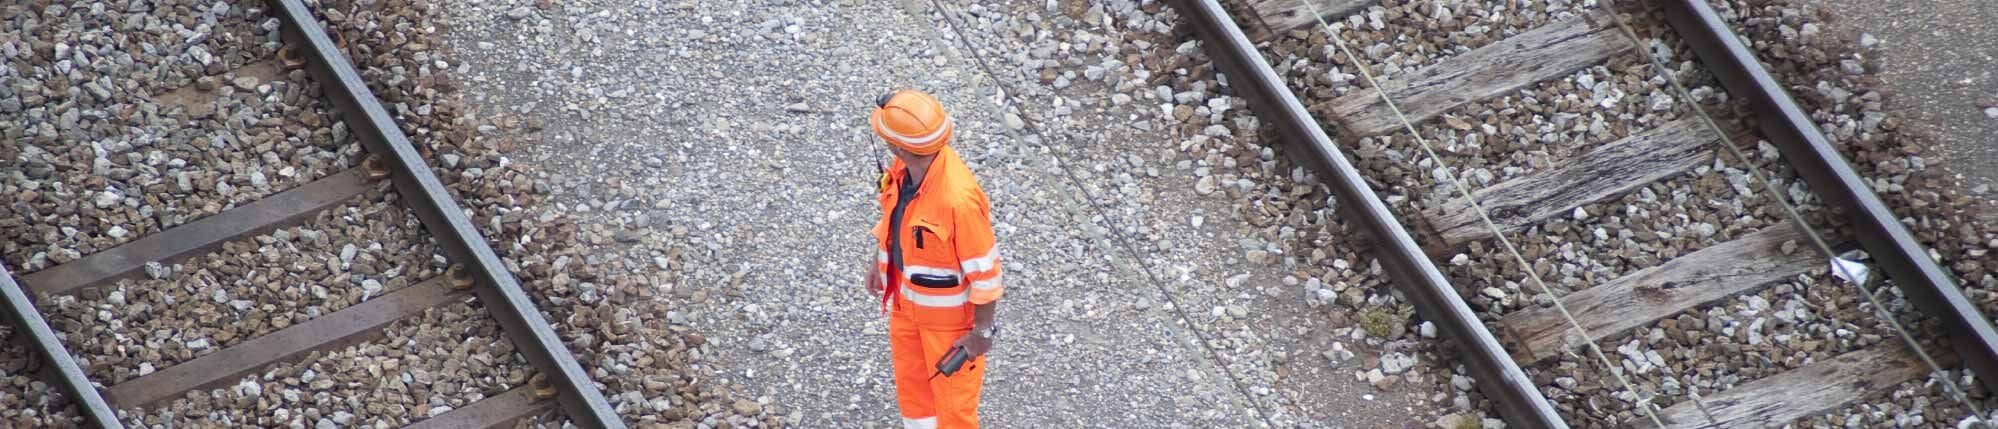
944,402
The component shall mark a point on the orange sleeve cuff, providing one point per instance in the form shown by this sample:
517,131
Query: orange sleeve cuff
986,296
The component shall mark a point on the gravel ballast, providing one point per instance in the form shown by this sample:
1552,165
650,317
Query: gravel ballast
429,364
26,400
245,289
1836,79
131,117
684,189
1245,240
649,369
396,46
1706,350
739,134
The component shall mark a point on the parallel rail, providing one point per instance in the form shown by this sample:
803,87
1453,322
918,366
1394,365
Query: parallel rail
476,267
421,190
1684,283
1928,285
1518,400
56,363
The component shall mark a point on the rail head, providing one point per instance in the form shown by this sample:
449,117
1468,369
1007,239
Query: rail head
1518,400
56,360
497,288
1807,149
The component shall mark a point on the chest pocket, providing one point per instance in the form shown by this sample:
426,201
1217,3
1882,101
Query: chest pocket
928,254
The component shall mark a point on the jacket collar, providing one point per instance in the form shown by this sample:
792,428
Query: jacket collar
945,157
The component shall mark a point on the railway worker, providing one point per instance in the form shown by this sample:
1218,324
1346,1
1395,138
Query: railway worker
936,268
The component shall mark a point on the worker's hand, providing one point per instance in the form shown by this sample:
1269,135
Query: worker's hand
874,284
973,344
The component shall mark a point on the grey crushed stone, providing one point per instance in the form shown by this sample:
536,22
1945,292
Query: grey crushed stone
1643,228
171,125
1914,171
445,358
711,155
118,129
1935,56
1244,239
246,288
26,400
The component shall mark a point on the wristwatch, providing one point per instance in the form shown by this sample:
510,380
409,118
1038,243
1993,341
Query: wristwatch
987,333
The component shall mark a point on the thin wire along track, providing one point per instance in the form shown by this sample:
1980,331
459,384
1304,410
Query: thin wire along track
1519,401
1687,282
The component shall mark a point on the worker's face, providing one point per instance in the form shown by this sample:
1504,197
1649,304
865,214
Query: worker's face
910,158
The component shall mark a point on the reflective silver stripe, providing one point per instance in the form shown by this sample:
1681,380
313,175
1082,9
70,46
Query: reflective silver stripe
881,257
982,263
913,270
912,141
922,423
936,301
991,283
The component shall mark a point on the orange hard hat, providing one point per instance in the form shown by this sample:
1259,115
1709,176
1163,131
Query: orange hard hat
911,120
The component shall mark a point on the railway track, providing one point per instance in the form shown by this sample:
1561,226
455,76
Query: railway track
443,262
1499,336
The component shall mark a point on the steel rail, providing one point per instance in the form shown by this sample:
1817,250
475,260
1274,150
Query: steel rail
1879,231
1518,400
497,288
55,359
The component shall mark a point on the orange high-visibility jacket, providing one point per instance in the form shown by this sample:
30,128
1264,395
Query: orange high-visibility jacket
949,254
